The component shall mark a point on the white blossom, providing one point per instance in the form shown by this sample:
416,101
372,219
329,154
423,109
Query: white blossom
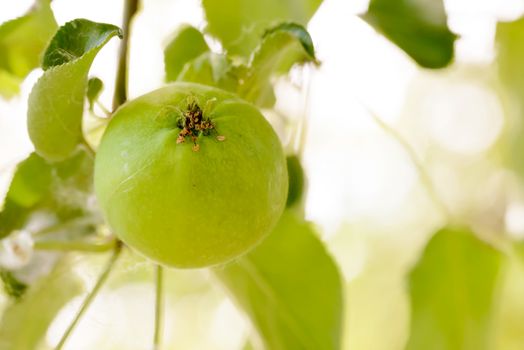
16,250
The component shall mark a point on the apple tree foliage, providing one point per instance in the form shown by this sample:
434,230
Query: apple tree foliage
289,286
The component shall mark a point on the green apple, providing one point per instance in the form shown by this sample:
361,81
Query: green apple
190,175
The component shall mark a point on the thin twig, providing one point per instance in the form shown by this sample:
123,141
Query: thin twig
303,127
89,150
423,174
81,221
120,95
103,108
157,338
78,246
91,296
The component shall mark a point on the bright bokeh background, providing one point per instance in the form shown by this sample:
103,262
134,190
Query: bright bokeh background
365,194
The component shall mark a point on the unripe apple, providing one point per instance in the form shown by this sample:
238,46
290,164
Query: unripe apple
190,175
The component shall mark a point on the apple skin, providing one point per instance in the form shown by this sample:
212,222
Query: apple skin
185,208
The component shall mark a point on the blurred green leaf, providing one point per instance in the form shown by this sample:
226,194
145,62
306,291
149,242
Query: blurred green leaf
57,99
31,183
290,287
281,48
9,84
296,181
510,45
452,292
239,24
519,250
211,69
12,286
12,217
94,89
37,185
419,27
248,346
25,322
22,41
187,44
508,325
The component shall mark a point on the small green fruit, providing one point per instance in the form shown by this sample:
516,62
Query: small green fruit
190,176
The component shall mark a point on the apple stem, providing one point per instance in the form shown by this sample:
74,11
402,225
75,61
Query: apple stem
120,95
158,307
91,296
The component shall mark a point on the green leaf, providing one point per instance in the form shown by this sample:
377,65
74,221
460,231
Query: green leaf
296,181
187,44
77,39
510,45
519,250
290,288
31,181
248,346
37,185
12,286
211,69
57,100
9,84
94,89
452,292
239,24
283,36
509,329
25,322
281,48
30,184
22,41
419,27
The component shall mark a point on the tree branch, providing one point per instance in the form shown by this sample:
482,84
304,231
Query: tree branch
120,95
